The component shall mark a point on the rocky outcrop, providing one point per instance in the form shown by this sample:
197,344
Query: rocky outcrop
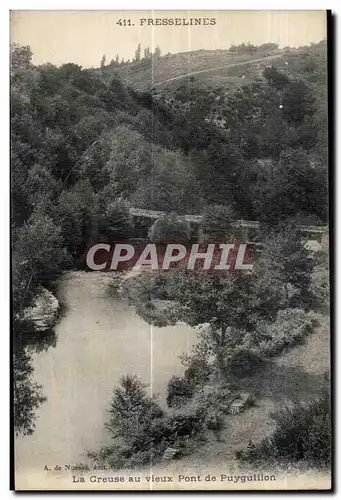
44,312
170,453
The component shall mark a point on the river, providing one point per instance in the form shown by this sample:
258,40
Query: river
98,340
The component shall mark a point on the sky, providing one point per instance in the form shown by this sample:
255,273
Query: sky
82,37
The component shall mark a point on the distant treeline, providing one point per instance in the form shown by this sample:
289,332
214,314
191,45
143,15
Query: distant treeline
147,54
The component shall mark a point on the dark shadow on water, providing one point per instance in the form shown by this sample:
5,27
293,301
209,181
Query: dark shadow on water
25,335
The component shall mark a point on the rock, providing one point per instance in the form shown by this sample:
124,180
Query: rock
170,453
44,312
313,246
240,403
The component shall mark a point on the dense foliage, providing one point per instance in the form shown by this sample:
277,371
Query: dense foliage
85,148
141,430
302,434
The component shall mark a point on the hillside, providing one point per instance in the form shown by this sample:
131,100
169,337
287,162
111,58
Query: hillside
146,73
213,67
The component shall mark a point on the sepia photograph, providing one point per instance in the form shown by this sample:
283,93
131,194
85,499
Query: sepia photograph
170,258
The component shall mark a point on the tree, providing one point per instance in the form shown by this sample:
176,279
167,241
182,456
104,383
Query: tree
216,223
219,302
39,254
171,184
115,220
27,396
283,270
157,52
21,57
42,188
138,53
132,413
268,46
179,390
243,48
103,61
78,214
129,160
293,184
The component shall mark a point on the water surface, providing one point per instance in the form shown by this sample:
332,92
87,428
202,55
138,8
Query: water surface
99,340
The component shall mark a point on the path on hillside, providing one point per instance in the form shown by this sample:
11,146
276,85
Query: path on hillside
242,63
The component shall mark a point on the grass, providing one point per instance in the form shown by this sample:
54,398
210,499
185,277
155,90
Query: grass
141,75
296,375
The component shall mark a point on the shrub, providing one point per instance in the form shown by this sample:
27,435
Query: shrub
214,399
179,390
319,288
132,413
197,374
215,422
290,328
198,371
242,362
183,425
216,223
115,221
150,296
113,456
140,429
170,228
212,403
303,433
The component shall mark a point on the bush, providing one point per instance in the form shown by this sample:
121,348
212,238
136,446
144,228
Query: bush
242,362
150,296
113,456
170,229
319,288
290,328
115,221
140,429
197,374
212,403
198,371
179,390
303,433
132,413
214,399
181,426
216,223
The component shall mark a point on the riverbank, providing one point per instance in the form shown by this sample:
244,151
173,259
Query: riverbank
98,340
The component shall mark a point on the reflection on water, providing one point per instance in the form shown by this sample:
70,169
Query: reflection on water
99,339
